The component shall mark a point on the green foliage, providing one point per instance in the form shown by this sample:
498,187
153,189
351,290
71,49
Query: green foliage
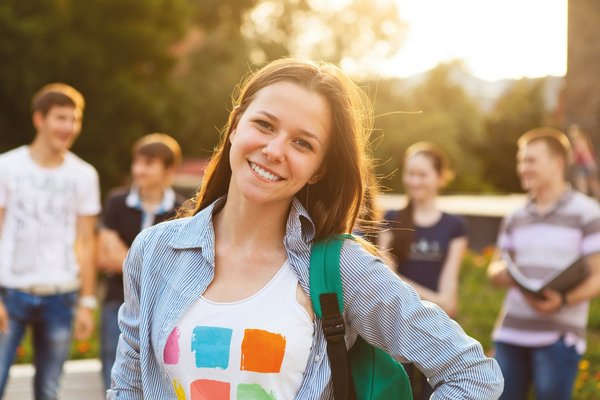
519,109
164,65
116,52
479,301
248,33
437,110
171,66
322,30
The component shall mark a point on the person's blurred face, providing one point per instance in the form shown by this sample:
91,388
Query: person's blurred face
537,167
420,178
149,172
59,128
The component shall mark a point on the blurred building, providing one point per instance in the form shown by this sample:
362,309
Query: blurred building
188,176
582,93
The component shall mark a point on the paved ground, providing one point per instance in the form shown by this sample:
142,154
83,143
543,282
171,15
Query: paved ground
81,380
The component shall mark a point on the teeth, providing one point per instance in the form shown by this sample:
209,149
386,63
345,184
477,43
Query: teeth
263,173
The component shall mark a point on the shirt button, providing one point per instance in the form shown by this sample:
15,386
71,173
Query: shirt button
317,358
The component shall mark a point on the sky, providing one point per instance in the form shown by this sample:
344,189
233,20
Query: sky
496,39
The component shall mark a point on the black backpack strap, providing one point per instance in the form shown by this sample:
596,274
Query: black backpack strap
334,330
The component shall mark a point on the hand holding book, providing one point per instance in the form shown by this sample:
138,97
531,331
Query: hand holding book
562,281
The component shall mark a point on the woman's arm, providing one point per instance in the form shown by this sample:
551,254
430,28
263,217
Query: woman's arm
447,294
388,313
126,372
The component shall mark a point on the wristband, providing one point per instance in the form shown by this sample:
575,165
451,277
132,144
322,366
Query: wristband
89,302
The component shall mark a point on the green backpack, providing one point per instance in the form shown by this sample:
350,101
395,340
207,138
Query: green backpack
375,375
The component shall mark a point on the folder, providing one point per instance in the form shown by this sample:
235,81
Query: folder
561,281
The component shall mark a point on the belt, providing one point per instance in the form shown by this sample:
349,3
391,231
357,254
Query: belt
49,290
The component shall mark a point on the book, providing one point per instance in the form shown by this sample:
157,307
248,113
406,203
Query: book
562,281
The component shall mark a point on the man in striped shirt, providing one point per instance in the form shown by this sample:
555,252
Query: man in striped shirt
539,341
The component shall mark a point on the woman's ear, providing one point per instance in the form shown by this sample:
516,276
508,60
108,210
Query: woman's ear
235,119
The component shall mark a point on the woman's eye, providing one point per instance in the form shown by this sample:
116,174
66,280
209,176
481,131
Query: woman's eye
304,143
264,125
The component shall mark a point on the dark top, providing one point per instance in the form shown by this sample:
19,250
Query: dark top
428,248
126,220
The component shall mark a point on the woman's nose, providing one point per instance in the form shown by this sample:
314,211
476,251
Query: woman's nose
274,149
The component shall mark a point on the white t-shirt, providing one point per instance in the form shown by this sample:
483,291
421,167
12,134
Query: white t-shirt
256,348
41,206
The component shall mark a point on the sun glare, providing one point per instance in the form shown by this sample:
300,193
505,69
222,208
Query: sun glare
495,39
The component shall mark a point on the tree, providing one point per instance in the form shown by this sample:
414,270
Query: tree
238,36
166,65
353,33
437,110
116,52
519,109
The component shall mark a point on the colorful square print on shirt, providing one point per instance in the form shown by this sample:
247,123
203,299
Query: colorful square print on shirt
253,392
171,352
211,346
206,389
262,351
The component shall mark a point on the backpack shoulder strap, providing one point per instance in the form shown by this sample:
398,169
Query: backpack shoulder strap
328,303
322,279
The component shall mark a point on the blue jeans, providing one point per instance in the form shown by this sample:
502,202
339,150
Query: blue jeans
109,338
551,369
51,320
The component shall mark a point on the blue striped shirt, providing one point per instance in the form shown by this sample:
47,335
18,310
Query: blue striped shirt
170,265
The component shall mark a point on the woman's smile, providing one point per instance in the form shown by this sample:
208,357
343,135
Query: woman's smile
264,173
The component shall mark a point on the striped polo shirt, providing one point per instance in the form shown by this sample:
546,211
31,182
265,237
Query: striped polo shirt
542,245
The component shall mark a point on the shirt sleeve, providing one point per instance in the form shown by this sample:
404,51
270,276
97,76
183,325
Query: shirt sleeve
89,194
389,314
505,242
459,227
126,374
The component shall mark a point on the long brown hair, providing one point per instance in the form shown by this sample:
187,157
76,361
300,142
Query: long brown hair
335,200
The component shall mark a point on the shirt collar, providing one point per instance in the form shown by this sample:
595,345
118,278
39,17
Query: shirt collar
133,200
566,196
198,230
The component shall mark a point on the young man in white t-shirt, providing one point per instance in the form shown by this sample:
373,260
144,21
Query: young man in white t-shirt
49,199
